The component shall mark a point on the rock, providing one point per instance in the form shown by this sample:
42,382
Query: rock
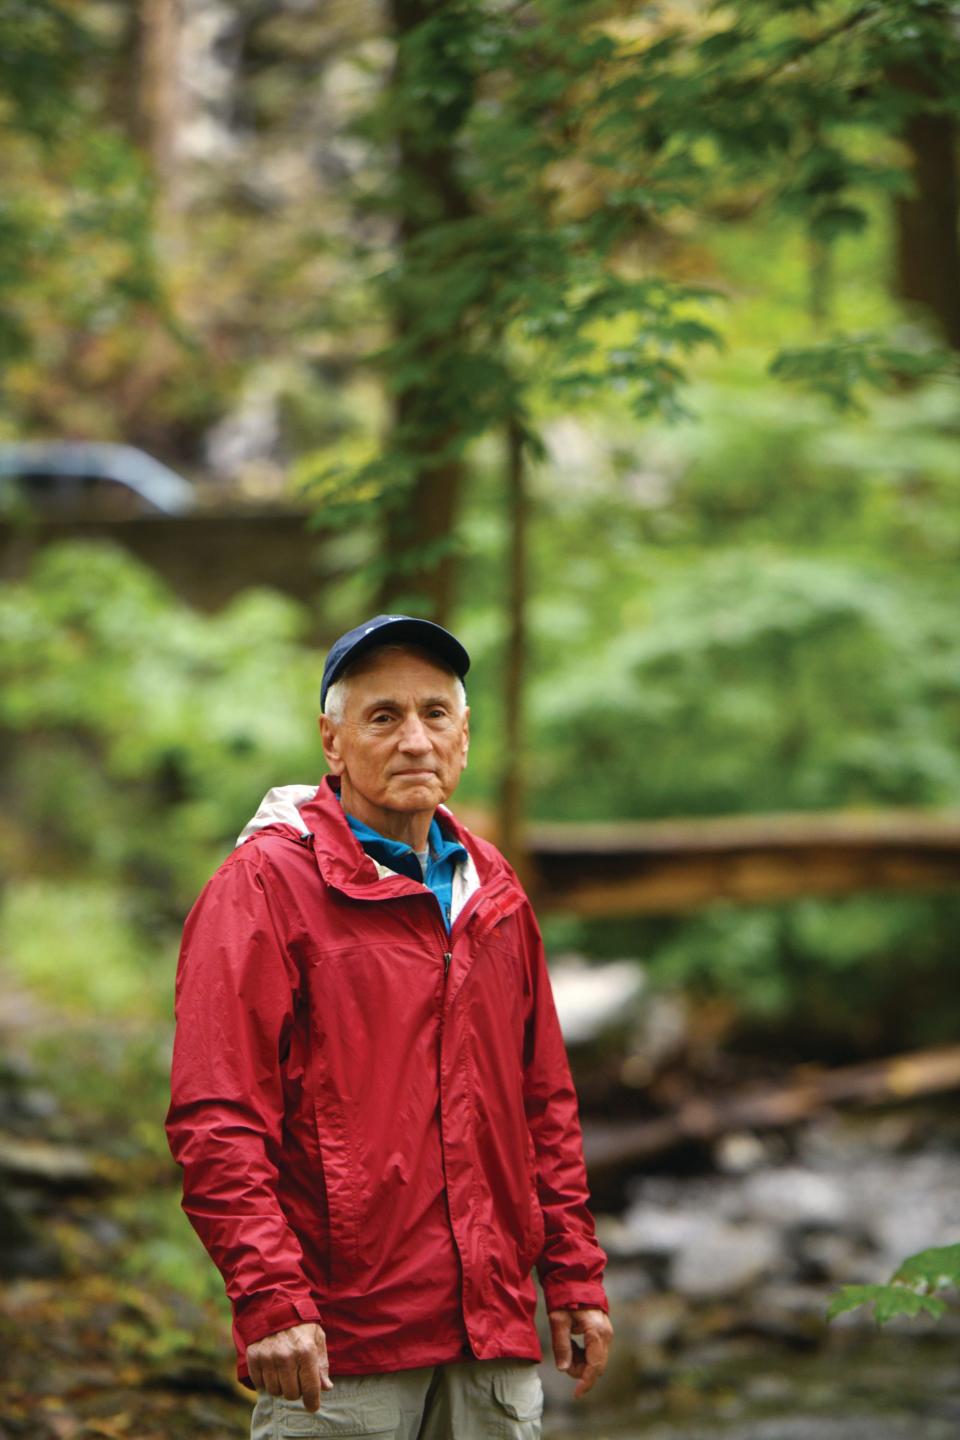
650,1230
658,1035
24,1250
627,1281
794,1195
723,1259
54,1167
657,1319
739,1153
908,1203
836,1256
592,999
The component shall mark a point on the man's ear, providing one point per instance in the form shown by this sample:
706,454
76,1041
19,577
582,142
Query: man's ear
331,745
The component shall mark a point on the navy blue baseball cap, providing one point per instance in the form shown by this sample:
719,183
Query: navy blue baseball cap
392,630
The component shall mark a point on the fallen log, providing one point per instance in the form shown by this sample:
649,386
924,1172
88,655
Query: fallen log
702,1119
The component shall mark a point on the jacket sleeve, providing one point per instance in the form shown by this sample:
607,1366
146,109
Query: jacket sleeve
571,1263
236,990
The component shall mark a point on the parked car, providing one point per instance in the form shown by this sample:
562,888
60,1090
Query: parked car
76,479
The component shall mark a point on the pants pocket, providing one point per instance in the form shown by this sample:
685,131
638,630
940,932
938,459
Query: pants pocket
518,1397
353,1414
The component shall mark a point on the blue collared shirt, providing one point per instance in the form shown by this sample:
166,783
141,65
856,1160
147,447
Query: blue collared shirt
443,858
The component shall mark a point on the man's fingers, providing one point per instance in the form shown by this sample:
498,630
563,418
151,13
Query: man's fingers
592,1365
323,1363
314,1370
271,1379
591,1374
595,1361
577,1361
586,1364
310,1382
292,1363
289,1373
560,1322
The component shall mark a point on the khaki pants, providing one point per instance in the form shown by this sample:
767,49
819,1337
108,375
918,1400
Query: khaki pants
470,1400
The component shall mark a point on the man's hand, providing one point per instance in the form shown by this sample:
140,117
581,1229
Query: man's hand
292,1363
588,1364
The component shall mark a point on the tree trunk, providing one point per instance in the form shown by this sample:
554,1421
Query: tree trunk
511,806
927,247
158,89
418,564
418,569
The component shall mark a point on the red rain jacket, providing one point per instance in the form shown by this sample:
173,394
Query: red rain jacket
375,1119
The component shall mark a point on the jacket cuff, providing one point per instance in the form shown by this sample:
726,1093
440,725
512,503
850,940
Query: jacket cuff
265,1314
574,1295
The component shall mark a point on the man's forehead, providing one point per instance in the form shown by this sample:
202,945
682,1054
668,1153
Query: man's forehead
399,678
397,700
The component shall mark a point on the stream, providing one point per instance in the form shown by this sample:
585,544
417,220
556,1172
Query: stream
719,1286
867,1387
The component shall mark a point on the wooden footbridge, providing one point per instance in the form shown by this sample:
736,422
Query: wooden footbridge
673,866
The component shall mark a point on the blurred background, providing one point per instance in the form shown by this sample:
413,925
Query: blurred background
621,338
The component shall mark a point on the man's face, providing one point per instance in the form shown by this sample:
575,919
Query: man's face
402,743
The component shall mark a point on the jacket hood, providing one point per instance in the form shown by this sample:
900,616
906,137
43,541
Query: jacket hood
280,806
302,812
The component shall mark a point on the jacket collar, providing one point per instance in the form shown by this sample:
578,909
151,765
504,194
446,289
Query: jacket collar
343,861
312,816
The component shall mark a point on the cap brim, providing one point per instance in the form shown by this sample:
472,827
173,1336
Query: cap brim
411,631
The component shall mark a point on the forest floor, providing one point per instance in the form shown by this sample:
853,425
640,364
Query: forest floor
98,1339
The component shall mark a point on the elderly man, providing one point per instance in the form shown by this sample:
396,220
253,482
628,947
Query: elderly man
371,1101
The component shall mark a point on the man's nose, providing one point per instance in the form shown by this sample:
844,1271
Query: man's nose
414,735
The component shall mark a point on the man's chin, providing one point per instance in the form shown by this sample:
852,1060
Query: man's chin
416,793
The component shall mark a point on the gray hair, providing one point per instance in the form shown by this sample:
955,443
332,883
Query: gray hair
336,704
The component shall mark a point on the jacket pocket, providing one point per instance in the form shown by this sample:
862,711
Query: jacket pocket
536,1230
342,1183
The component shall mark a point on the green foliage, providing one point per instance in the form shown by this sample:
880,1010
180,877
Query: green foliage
913,1290
42,41
757,682
889,1302
749,681
75,217
166,1255
547,188
159,723
71,941
840,369
833,977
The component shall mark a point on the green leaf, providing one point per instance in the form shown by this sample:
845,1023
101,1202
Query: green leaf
889,1301
936,1269
908,1292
